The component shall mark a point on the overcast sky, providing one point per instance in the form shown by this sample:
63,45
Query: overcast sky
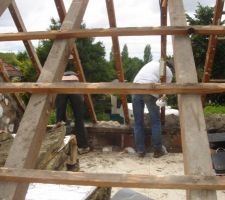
129,13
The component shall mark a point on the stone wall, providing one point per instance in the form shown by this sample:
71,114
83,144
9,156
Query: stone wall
11,111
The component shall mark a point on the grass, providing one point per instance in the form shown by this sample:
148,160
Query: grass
214,109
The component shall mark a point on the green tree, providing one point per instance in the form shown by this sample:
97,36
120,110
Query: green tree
92,57
22,61
132,68
147,54
124,53
130,65
10,58
45,45
204,16
125,61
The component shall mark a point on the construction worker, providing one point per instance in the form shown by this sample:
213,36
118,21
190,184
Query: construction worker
149,73
77,104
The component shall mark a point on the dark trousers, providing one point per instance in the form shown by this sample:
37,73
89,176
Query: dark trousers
77,104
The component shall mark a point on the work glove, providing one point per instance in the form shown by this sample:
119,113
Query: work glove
162,101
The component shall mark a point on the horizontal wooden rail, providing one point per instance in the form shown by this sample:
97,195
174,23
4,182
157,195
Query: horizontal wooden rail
128,31
217,80
113,88
112,180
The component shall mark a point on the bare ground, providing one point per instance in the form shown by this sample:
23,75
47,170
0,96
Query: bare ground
122,162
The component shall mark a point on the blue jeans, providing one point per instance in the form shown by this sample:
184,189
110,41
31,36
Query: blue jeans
138,102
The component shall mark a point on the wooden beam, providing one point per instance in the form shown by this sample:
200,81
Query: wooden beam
217,80
77,63
112,88
21,28
195,145
163,17
212,42
130,31
163,9
113,179
4,5
164,3
26,145
116,53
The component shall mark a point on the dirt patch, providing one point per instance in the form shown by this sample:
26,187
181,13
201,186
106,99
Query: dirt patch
121,162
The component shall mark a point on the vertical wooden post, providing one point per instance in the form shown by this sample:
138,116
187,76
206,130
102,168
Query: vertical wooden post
116,52
195,145
163,9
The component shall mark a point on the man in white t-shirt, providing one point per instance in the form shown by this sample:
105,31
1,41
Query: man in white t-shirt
149,73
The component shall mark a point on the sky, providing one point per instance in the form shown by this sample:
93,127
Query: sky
129,13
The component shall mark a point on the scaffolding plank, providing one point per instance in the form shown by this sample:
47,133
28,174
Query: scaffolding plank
112,88
77,63
116,53
100,32
26,146
4,5
21,28
197,159
113,179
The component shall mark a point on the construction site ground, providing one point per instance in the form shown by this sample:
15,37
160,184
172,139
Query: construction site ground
128,163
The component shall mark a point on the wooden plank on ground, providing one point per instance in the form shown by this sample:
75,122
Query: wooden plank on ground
112,88
116,53
26,146
113,179
197,157
77,63
21,28
4,5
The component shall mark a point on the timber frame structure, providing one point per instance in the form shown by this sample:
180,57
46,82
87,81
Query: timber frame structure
198,181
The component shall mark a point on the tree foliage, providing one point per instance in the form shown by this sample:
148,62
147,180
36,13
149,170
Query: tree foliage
130,65
147,54
204,16
10,58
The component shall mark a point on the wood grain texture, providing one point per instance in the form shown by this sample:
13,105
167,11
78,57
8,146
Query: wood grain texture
4,5
112,88
112,180
100,32
197,157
